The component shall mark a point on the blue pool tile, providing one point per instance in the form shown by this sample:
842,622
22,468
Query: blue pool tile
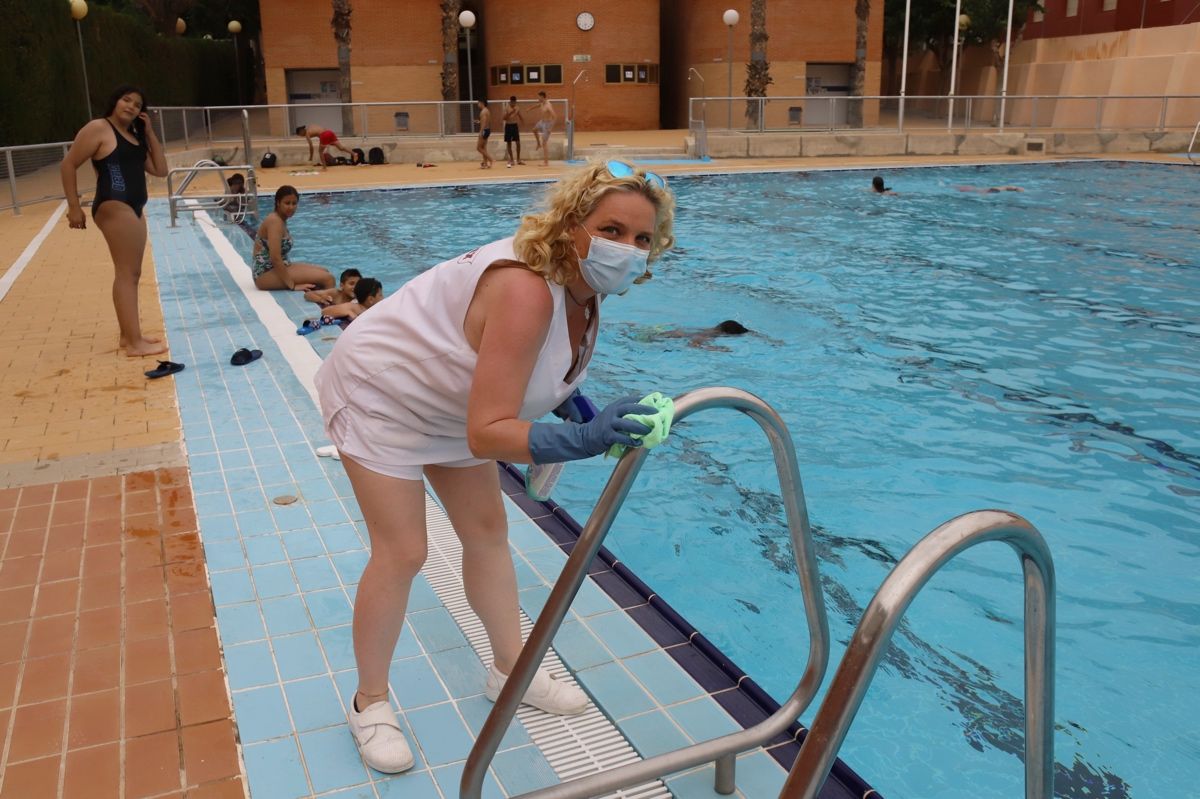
264,549
460,670
407,646
448,779
253,422
318,489
277,478
297,453
285,615
340,537
526,576
655,733
533,600
208,505
329,608
302,544
231,587
759,774
240,623
202,447
592,601
261,714
421,596
313,574
411,785
437,630
223,555
255,523
208,482
578,647
415,683
339,647
333,761
233,458
621,634
364,791
274,770
315,703
522,770
615,691
696,784
273,580
306,471
475,710
240,478
287,432
218,528
327,512
703,719
663,678
247,499
249,665
350,565
262,438
298,656
291,517
441,734
267,457
548,562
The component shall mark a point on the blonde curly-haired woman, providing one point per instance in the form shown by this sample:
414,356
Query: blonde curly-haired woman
445,377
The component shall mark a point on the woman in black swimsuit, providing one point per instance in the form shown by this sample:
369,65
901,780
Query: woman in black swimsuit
123,148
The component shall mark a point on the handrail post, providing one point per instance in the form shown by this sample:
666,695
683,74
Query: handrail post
1099,113
884,614
725,781
1033,113
186,141
12,182
1162,114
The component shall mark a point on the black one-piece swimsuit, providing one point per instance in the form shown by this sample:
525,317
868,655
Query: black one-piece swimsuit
121,175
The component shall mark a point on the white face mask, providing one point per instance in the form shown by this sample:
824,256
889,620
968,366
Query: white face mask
611,267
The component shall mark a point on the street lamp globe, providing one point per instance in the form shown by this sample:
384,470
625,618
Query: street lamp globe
467,19
79,9
180,26
731,17
964,21
234,27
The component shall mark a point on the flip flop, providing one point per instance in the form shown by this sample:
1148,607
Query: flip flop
245,356
164,368
309,326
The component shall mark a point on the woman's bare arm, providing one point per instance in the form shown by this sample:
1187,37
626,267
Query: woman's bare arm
274,226
156,160
83,149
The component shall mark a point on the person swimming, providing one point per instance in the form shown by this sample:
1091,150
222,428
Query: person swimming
878,186
697,337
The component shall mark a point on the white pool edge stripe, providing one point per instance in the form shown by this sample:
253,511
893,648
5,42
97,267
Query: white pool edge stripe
27,254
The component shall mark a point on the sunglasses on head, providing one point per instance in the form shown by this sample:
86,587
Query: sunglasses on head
620,169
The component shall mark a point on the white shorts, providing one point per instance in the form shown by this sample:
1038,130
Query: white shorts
345,420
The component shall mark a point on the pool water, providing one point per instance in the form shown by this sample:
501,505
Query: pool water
933,352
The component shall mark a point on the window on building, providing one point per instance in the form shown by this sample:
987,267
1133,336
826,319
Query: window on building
628,73
794,114
643,73
516,75
612,73
1109,5
654,73
400,119
1038,16
552,73
533,74
631,73
1072,8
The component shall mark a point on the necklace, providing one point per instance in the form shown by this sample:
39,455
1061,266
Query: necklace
571,294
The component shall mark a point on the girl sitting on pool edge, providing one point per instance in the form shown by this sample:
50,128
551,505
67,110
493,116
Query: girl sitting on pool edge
273,243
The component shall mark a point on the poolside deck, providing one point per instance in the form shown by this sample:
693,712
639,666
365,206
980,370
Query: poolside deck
148,585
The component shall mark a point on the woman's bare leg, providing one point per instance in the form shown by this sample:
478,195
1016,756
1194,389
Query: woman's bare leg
125,234
300,273
394,511
473,502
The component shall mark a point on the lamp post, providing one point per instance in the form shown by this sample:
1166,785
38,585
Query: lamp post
79,10
180,26
730,18
961,21
467,20
1007,54
235,28
904,61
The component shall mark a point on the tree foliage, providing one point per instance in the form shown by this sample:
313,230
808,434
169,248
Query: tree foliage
932,24
758,71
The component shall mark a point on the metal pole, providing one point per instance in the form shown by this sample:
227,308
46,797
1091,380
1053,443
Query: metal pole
186,142
12,182
1007,59
954,63
87,94
904,61
730,56
236,71
470,81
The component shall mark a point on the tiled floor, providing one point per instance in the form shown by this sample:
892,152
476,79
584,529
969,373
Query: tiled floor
111,680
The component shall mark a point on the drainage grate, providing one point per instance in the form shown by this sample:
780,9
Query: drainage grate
575,746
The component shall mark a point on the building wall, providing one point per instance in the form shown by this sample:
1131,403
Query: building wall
1091,17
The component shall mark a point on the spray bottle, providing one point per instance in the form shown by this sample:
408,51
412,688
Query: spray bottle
540,478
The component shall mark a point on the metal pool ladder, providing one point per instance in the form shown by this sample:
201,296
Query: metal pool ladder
852,679
246,202
1192,143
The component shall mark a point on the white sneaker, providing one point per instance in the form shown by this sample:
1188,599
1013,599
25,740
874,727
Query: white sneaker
544,693
379,738
329,451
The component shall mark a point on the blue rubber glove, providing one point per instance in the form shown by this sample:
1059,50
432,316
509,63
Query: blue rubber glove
556,443
576,408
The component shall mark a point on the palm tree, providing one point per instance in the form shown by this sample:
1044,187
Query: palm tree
341,32
858,82
450,28
758,71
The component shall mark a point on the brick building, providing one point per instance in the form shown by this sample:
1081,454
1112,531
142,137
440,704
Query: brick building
1077,17
624,64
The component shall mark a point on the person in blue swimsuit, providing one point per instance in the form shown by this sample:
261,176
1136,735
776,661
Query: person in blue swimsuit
123,148
272,268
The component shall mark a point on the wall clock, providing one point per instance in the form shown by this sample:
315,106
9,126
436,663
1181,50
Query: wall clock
585,21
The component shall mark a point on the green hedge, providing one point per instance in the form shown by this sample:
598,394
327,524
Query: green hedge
41,84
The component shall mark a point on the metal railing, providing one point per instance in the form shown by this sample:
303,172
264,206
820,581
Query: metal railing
1192,143
882,617
31,172
931,112
721,750
177,199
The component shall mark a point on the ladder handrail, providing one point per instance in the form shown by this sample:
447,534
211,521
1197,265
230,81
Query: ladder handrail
1192,143
882,617
207,202
722,749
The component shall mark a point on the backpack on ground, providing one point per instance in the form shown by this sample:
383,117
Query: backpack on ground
375,156
359,156
268,160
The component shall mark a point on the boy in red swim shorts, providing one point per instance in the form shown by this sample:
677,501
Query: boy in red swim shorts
325,138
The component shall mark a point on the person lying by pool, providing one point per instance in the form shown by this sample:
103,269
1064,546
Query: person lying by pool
272,245
878,186
989,189
367,292
446,376
343,292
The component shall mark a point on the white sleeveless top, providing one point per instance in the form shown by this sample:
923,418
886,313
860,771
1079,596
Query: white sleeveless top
405,366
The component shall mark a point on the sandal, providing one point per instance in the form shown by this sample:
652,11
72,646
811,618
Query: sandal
164,368
245,356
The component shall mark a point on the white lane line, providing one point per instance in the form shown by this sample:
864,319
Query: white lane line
19,265
295,349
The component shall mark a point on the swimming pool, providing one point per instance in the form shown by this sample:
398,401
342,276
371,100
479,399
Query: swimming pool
932,353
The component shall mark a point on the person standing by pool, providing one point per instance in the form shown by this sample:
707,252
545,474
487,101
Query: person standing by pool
122,147
485,132
512,131
444,377
273,243
541,131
